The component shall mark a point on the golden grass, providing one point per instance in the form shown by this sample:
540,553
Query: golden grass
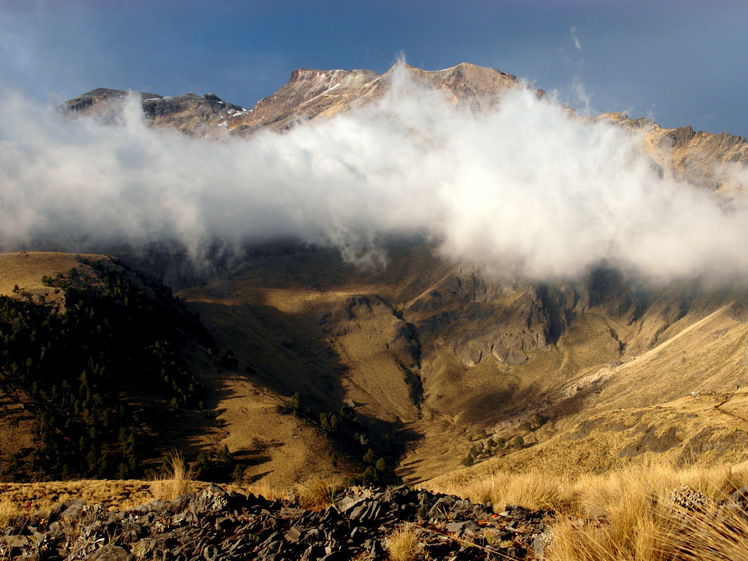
178,479
8,510
316,493
533,490
713,539
267,490
39,498
36,499
403,545
627,514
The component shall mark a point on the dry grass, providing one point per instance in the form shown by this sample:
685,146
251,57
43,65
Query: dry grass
639,531
316,493
720,538
626,514
178,480
39,498
654,483
533,490
629,515
8,510
267,490
403,545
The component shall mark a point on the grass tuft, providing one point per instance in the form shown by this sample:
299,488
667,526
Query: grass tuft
269,491
631,515
403,545
532,490
647,512
177,480
316,493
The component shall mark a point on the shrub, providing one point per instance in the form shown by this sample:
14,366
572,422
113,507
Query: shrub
517,442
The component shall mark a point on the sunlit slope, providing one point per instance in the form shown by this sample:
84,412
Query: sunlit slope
23,272
26,269
683,401
440,354
436,359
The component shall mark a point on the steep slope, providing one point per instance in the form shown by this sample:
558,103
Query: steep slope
192,114
698,157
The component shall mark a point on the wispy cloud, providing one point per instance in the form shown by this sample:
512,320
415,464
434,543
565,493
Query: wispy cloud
575,38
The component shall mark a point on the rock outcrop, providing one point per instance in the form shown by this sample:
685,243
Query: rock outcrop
218,525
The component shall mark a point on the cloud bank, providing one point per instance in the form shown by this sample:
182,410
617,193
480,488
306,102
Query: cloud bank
524,190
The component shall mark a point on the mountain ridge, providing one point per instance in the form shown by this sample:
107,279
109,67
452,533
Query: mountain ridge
694,156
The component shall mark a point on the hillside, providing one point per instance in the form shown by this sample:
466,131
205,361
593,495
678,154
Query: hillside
417,352
140,376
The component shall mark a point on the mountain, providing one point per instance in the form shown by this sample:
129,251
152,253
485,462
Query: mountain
429,364
695,156
188,113
308,95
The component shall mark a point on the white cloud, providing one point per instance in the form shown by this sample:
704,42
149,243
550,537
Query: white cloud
524,189
574,38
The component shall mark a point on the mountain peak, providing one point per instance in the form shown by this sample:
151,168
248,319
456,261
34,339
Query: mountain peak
99,96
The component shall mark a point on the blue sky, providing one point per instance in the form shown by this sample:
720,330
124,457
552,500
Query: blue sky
679,62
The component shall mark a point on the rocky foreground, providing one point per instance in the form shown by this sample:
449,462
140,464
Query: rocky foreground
217,525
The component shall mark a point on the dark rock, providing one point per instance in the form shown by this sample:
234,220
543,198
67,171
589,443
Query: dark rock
214,525
347,503
340,555
109,552
313,552
181,503
740,496
465,526
367,512
72,510
224,523
294,534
